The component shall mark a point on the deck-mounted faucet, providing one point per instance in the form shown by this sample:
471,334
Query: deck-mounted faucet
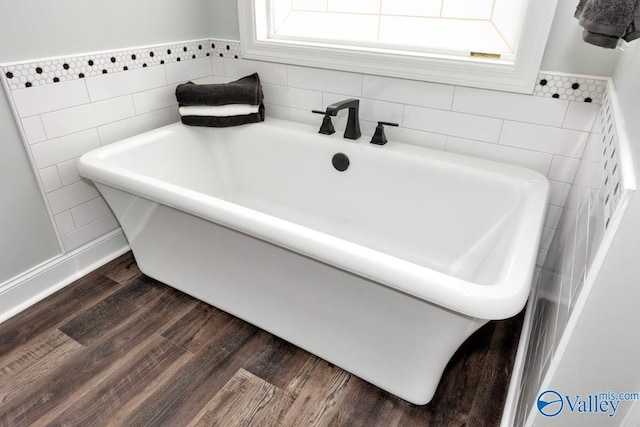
353,121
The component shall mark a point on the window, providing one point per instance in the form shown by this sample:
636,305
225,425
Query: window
495,44
441,26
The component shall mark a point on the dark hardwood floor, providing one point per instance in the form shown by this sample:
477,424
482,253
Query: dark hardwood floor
121,349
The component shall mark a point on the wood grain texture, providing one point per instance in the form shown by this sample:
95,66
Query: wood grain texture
100,319
86,369
50,344
363,405
142,366
188,391
495,372
117,348
316,394
35,361
245,400
197,327
121,270
281,363
54,310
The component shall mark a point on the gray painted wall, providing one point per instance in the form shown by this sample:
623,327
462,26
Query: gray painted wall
626,80
26,234
224,19
74,26
568,53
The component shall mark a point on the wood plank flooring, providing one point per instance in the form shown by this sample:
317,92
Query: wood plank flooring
117,348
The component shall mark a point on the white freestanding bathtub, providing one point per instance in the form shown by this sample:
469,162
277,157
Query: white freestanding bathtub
383,269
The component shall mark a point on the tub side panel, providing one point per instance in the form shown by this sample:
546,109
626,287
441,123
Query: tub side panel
396,342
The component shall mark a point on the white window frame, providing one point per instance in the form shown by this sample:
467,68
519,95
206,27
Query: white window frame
518,75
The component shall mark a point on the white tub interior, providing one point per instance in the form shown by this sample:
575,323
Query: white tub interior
408,213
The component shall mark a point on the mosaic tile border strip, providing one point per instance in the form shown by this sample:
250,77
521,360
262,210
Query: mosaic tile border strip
570,88
21,75
50,71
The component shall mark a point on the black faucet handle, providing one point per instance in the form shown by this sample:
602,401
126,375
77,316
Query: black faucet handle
327,127
388,124
379,138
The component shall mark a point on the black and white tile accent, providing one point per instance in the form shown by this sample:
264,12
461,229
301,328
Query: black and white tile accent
571,88
49,71
611,160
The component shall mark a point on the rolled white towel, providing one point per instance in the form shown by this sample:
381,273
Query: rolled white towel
219,110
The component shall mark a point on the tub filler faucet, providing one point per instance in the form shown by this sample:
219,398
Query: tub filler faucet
353,121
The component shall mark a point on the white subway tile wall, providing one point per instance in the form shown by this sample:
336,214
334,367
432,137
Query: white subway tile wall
33,129
115,131
56,150
50,178
410,92
116,84
87,116
69,172
323,80
450,123
581,224
510,106
104,97
580,115
179,72
291,97
548,139
68,106
84,234
71,196
269,72
41,99
535,160
64,223
154,99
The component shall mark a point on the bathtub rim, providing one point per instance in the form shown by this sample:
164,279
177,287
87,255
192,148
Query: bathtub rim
500,300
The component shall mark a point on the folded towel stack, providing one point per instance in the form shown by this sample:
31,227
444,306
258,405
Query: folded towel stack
605,22
221,105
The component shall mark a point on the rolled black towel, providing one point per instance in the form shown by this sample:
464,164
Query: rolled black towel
221,122
246,90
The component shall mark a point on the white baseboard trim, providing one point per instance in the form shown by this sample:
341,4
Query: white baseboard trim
43,280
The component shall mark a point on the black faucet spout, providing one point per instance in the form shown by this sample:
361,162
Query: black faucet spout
353,121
